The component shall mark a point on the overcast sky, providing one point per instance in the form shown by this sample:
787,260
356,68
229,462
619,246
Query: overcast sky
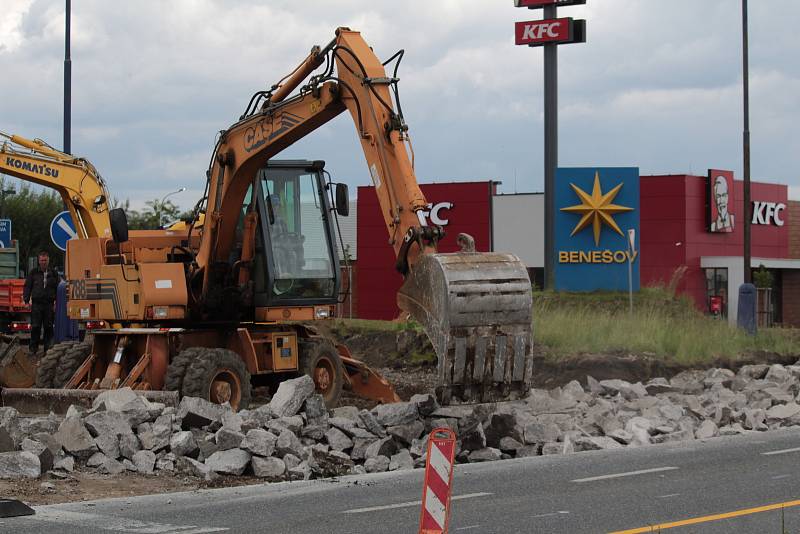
657,85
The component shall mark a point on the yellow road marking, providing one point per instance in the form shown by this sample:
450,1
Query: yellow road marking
707,518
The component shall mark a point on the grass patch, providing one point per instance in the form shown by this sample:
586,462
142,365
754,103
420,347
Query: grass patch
364,326
661,325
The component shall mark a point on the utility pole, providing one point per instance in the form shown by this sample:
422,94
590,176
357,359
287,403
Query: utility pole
550,151
746,145
549,32
67,86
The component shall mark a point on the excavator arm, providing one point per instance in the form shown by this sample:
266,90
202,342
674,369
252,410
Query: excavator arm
76,180
474,306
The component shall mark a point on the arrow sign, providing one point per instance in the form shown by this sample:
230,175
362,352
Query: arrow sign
62,229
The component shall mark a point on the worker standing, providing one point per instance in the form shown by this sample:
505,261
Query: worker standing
40,292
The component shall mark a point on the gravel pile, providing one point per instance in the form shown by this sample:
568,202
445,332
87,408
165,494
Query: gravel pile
296,437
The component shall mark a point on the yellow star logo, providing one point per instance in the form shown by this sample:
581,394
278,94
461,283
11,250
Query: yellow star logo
596,209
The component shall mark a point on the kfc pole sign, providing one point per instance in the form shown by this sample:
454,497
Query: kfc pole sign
539,32
533,4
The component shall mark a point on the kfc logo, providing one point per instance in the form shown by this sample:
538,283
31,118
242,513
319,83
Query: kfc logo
434,214
543,31
768,213
721,193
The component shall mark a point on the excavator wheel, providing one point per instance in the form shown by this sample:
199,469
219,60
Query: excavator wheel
73,357
48,365
321,361
219,376
176,371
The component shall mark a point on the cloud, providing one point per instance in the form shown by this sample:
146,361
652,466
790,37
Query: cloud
153,83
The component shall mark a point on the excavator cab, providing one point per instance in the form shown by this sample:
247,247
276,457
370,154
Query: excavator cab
296,261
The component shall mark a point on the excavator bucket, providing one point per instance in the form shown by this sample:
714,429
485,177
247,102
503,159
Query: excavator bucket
16,368
476,308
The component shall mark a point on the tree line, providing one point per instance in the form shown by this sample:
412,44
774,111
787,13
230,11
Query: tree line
32,208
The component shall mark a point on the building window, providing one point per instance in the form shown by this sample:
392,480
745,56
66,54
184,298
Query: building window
717,291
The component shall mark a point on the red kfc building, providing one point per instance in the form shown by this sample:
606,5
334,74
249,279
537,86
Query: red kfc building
457,207
693,231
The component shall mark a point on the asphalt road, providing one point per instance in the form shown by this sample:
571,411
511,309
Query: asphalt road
603,491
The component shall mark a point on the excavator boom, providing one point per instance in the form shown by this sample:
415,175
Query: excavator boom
474,306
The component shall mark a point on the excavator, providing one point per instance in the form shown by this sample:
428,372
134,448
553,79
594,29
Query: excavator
229,300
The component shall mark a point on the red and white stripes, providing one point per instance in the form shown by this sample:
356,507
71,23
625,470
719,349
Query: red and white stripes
435,515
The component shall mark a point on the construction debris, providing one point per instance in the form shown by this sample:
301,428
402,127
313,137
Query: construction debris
296,437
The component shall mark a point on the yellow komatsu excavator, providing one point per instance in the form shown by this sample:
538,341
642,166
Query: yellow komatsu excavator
211,309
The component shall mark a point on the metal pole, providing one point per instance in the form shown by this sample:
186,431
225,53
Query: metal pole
67,86
550,151
630,283
746,146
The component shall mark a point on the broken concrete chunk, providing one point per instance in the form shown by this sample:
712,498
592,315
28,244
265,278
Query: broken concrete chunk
226,438
195,412
401,461
315,407
259,442
338,440
407,433
19,464
183,444
330,463
397,413
145,462
291,395
377,464
230,462
289,443
426,404
488,454
471,434
707,429
371,424
383,447
269,468
75,439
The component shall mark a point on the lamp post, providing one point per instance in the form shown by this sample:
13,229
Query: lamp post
746,144
164,199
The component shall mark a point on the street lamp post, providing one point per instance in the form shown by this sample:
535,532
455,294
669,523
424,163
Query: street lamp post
746,144
164,199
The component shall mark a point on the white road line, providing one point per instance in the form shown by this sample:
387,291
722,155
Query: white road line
468,527
780,477
628,474
119,524
560,512
782,451
410,503
668,495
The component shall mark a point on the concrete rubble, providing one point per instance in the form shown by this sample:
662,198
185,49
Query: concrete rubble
295,437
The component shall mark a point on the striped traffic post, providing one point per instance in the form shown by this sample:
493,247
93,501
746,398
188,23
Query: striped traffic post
435,515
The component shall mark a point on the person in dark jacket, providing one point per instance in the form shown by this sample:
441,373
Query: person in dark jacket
40,292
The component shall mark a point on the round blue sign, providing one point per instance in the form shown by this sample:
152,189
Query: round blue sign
62,229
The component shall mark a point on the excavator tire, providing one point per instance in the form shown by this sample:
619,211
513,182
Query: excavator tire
48,365
320,360
219,376
73,357
176,371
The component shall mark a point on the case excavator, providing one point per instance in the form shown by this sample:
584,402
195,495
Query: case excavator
230,299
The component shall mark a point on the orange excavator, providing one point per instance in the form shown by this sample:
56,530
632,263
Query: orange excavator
229,301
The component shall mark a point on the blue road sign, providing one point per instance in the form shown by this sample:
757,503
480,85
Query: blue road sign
62,230
5,233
